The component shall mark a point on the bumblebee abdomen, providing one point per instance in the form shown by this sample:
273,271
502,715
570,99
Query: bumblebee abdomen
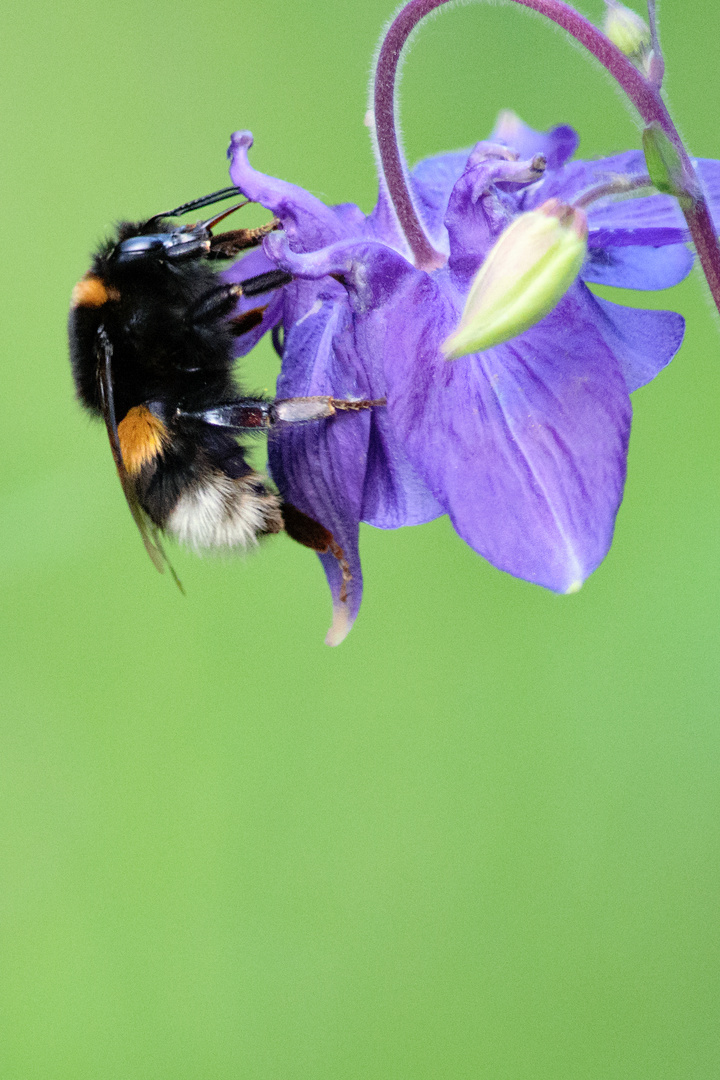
218,512
199,488
142,436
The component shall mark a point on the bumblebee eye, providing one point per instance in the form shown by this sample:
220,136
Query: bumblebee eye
139,247
179,244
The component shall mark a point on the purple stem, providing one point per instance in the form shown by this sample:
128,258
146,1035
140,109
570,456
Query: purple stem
641,91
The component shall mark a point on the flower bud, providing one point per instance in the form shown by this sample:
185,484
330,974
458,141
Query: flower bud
526,273
666,168
628,31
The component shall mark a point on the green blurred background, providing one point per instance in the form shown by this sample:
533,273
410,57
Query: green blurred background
478,840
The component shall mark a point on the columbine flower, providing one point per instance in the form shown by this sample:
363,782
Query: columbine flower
523,445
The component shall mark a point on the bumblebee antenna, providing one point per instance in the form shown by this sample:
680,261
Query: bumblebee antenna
196,204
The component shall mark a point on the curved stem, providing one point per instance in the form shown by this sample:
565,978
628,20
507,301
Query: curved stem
641,91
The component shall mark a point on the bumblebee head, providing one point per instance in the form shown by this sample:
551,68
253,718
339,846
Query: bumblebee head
157,240
186,242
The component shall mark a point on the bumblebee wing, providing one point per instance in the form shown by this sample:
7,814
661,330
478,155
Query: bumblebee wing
152,536
148,531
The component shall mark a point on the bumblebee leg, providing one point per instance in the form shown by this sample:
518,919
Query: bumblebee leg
214,304
310,533
300,410
273,279
244,414
227,244
243,324
220,301
248,414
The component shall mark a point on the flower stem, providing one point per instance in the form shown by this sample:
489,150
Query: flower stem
643,93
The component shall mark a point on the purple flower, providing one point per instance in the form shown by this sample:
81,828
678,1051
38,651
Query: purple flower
523,445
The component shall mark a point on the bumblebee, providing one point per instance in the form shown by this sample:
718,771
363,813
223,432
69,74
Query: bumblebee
152,337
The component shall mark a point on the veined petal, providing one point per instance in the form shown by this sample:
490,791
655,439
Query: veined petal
577,177
636,220
638,267
394,493
320,468
525,444
643,342
614,221
652,220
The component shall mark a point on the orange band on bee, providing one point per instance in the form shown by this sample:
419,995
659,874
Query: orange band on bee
92,292
142,438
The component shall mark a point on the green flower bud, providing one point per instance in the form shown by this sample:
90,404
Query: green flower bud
665,166
628,31
526,273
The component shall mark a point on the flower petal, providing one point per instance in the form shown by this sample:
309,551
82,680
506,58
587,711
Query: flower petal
638,267
479,210
432,181
320,467
643,342
654,220
577,177
393,493
525,443
370,271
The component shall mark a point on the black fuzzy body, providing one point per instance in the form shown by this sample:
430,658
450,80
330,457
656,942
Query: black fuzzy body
168,359
158,353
